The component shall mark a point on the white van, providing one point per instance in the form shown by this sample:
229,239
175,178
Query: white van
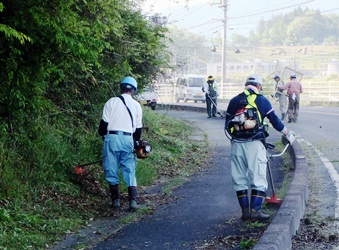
189,87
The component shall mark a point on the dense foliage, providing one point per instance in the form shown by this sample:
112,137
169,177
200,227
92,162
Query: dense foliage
60,61
299,27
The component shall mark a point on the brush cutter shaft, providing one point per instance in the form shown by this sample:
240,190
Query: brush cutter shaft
216,106
273,199
87,164
282,151
271,178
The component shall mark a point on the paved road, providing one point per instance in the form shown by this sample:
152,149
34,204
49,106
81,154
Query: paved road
317,132
203,206
192,219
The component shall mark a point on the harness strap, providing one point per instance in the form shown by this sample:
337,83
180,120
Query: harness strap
129,111
251,102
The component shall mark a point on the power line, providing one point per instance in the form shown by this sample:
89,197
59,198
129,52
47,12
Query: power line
242,16
191,11
215,29
264,12
202,24
285,18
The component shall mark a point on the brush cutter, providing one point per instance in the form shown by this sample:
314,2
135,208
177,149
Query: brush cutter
273,198
80,168
142,150
219,112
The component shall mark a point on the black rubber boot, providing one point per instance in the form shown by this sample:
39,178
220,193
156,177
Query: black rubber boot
115,195
244,204
132,197
257,199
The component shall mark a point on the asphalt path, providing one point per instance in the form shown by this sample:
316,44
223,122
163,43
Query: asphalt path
317,132
205,206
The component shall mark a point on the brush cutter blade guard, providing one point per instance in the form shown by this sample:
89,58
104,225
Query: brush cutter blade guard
79,170
273,199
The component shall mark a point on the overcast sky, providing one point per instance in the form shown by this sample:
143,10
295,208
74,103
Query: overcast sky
204,16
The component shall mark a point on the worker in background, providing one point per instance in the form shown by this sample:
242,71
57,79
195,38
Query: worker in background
294,89
280,96
211,90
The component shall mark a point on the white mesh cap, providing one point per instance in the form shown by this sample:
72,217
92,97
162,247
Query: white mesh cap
254,80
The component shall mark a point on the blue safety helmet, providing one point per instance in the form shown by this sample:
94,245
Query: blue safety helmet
129,81
276,77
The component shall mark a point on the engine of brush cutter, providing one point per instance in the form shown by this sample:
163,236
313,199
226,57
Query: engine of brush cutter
142,149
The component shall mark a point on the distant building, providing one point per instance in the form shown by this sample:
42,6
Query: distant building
333,67
258,66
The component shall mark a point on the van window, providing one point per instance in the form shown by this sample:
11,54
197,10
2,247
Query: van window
182,82
196,81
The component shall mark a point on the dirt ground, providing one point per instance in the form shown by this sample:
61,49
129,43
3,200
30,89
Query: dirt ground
318,229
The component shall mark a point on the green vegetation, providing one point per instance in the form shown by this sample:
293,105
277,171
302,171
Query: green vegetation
56,201
247,244
298,27
60,62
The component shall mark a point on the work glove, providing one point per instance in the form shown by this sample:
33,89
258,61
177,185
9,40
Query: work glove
290,137
137,145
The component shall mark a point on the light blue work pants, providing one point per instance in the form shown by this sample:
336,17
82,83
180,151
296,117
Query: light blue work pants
248,165
118,152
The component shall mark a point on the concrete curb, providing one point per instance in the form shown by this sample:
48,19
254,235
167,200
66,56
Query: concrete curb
278,235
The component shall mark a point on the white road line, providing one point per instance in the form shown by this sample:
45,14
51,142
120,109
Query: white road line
331,171
322,113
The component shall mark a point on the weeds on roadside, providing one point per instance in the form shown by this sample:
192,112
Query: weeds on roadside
247,244
40,203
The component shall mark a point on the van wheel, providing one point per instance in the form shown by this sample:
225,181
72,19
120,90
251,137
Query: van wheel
203,101
195,101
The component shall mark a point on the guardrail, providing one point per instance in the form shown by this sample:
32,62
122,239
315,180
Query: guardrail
324,92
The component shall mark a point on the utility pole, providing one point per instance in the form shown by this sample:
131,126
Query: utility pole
224,42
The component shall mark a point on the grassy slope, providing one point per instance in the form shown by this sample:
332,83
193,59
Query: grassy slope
40,220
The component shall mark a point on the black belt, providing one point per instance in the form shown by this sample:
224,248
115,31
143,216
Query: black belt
117,132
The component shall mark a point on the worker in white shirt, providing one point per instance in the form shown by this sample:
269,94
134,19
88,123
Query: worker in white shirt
121,127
